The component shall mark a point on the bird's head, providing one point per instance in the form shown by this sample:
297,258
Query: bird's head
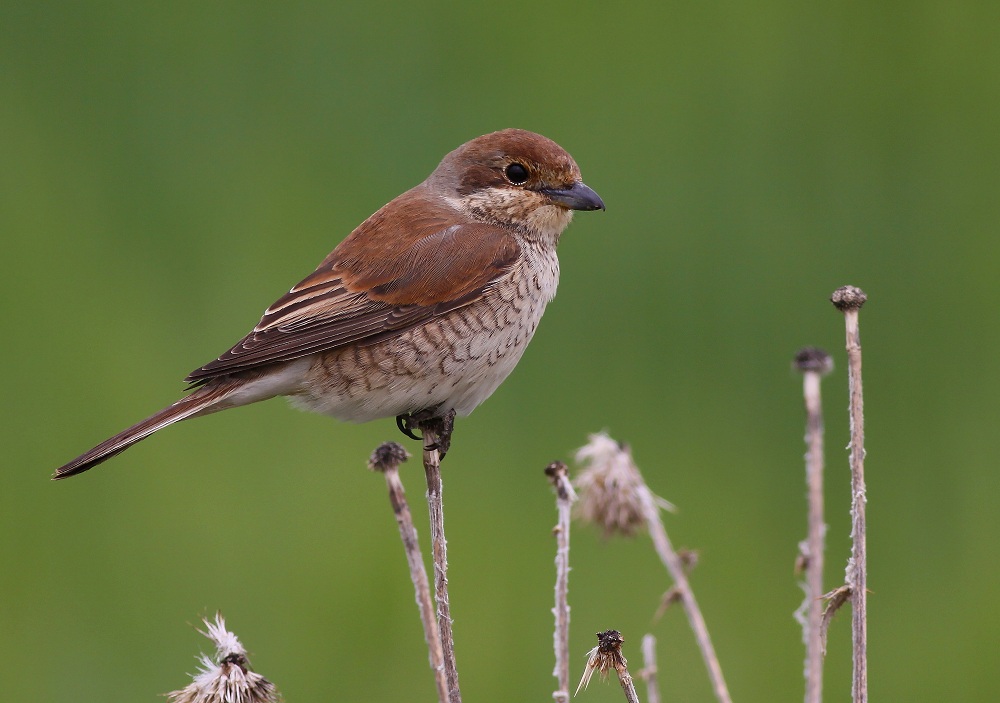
515,178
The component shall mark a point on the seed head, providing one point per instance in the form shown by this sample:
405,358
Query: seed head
227,678
388,455
813,359
848,298
613,493
607,655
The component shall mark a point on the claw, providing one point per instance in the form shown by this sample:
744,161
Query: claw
442,425
403,423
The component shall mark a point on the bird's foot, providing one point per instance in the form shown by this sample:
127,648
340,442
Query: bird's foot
429,420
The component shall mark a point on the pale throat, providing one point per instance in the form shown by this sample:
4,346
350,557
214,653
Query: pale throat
527,210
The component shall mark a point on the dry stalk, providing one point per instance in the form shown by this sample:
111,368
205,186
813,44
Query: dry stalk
386,460
436,434
849,300
565,497
649,672
675,566
814,364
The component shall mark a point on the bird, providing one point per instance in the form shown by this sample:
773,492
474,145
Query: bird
419,314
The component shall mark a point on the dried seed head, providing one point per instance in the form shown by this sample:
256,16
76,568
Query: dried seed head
848,298
558,474
555,471
388,455
607,655
612,491
228,678
813,359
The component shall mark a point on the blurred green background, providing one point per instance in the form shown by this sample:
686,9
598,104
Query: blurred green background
168,169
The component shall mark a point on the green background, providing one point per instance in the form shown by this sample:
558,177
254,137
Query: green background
169,169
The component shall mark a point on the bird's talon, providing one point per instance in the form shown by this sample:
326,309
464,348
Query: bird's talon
403,423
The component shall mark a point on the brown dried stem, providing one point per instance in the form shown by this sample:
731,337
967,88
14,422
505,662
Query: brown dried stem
675,566
386,460
814,364
628,686
435,433
648,673
565,497
849,301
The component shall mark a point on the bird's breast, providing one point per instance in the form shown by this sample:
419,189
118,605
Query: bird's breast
454,361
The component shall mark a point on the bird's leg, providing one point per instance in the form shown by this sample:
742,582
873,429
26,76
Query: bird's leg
443,426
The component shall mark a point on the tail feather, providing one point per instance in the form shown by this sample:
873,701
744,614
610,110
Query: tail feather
199,401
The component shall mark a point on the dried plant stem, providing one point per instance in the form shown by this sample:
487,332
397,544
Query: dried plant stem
565,497
649,672
815,540
814,363
439,548
849,301
625,679
386,459
675,567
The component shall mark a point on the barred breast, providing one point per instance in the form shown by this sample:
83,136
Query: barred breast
454,361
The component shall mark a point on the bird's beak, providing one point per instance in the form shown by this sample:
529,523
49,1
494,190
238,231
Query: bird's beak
577,197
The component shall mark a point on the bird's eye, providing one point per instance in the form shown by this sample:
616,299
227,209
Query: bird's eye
516,174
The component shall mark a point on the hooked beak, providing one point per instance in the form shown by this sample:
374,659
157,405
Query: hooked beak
578,196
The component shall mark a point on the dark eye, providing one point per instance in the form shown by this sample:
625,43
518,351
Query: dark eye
516,174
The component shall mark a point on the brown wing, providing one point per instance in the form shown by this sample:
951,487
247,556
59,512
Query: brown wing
411,261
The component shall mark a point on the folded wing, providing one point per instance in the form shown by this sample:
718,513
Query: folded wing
403,266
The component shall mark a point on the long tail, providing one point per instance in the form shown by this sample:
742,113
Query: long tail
198,401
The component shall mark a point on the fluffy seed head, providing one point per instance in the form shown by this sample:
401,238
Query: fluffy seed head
613,493
227,678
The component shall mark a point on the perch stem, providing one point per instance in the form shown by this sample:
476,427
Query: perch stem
439,548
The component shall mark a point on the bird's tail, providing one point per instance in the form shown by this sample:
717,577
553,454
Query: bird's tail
199,401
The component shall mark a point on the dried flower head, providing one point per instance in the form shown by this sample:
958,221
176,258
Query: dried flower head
607,655
613,493
228,678
813,359
388,455
848,298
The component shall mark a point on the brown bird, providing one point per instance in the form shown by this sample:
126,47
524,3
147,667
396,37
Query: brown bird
420,313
